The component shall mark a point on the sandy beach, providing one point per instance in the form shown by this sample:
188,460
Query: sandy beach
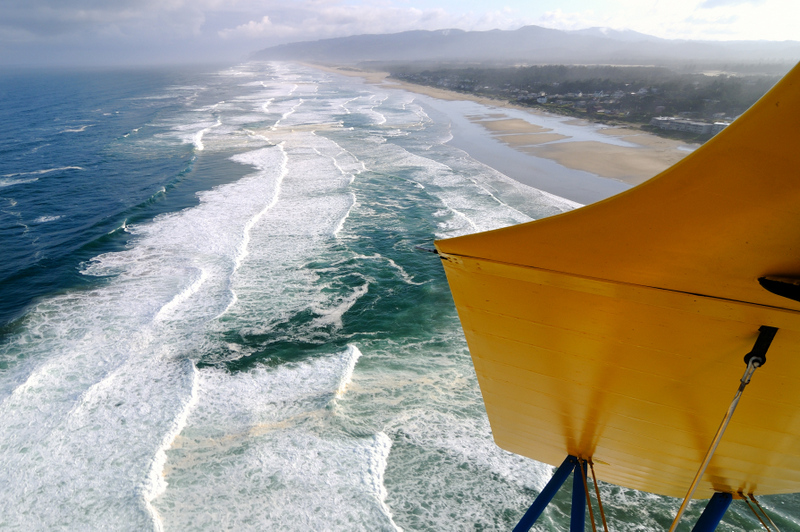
648,156
626,155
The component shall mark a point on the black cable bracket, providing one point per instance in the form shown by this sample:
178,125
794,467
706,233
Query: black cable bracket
759,352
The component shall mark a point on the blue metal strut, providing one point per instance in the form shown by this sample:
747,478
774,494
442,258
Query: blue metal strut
547,494
713,513
577,518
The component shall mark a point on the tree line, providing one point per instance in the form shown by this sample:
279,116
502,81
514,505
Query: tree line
627,93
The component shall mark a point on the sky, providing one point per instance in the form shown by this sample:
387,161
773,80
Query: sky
142,32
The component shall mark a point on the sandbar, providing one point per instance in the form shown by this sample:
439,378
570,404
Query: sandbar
516,132
505,126
522,140
631,165
644,157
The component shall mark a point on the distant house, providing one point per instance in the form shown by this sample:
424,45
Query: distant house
679,124
542,99
719,126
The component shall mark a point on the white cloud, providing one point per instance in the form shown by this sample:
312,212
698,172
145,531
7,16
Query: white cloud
719,3
316,20
689,19
559,20
274,21
205,29
251,29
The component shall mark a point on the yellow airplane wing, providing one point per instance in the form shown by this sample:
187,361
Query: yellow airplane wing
617,331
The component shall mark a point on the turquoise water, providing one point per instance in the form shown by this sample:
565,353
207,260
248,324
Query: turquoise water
216,317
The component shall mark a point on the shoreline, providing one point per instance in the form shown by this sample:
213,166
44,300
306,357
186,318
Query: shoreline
619,154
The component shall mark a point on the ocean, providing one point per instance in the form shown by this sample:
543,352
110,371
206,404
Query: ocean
215,316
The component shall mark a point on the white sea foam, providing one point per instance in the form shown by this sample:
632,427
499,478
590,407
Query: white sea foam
343,219
197,138
260,440
156,485
265,162
182,296
91,416
332,313
80,129
264,397
351,357
465,199
466,188
45,219
376,102
45,171
285,116
344,161
11,182
174,280
404,276
470,440
313,207
122,227
343,104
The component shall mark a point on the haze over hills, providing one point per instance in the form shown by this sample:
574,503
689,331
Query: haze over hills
531,45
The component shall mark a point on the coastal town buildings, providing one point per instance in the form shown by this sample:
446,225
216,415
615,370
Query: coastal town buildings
671,123
691,105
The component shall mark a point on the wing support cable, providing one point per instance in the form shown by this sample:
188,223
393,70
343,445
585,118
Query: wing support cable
756,358
752,498
581,464
597,492
755,512
758,516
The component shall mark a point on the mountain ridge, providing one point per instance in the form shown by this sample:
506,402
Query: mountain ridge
528,44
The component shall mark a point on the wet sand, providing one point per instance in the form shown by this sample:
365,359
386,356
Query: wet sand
643,157
626,156
498,124
616,162
495,151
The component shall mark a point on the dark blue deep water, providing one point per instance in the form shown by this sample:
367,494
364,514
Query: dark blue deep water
72,171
